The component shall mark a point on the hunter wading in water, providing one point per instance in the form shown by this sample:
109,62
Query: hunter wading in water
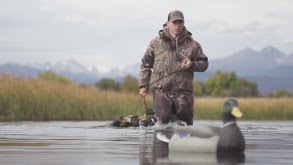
173,56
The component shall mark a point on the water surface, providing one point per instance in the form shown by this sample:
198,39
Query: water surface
86,143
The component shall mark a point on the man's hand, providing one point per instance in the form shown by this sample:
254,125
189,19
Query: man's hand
142,92
186,63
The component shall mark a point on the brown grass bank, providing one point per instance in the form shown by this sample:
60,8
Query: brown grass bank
42,100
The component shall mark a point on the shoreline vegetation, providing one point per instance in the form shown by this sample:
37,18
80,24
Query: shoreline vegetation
38,99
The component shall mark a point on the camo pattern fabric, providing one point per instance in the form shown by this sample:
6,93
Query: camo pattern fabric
161,63
171,107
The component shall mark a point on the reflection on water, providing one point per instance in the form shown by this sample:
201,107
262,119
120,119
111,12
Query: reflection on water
94,143
203,158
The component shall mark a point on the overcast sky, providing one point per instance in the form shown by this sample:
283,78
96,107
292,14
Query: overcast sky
109,33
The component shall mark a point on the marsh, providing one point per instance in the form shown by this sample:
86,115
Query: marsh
91,142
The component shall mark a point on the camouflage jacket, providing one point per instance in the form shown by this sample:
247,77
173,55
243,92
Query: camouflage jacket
161,63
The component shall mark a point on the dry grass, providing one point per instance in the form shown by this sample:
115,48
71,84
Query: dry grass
41,100
253,108
37,99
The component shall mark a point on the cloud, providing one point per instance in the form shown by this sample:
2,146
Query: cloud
251,28
223,27
288,41
98,31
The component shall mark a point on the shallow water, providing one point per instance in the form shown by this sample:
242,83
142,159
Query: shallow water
86,143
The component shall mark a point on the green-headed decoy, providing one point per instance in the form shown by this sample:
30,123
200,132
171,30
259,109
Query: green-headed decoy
200,138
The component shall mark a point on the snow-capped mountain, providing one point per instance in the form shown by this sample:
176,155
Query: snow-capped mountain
270,68
69,66
285,60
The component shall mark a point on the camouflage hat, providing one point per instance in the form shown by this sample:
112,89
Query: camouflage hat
175,15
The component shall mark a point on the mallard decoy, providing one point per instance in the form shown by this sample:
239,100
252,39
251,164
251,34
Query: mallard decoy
200,138
148,119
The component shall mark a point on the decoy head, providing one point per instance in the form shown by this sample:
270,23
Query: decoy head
231,111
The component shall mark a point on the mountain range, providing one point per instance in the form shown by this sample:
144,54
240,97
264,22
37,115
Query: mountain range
270,68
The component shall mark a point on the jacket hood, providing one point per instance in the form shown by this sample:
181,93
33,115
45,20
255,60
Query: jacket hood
165,34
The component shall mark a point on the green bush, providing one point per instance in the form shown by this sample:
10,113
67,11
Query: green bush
129,84
52,76
107,84
227,84
281,93
198,88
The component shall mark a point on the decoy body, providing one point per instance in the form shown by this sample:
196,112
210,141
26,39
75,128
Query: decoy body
200,138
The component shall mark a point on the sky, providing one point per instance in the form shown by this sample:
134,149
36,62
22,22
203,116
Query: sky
116,33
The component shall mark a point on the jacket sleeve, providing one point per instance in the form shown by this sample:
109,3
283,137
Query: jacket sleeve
199,60
146,67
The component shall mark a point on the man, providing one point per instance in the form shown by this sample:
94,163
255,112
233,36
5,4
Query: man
173,56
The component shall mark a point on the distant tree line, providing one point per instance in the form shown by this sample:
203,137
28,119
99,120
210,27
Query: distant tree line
222,84
129,84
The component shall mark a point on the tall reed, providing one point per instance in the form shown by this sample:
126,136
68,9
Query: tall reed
37,99
253,108
42,100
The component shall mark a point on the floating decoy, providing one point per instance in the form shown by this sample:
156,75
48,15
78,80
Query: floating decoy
201,138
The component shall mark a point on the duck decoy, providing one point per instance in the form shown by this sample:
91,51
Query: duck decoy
201,138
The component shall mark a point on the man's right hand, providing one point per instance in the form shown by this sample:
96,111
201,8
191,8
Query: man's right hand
142,92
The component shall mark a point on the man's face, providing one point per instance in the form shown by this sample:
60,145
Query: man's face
175,27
